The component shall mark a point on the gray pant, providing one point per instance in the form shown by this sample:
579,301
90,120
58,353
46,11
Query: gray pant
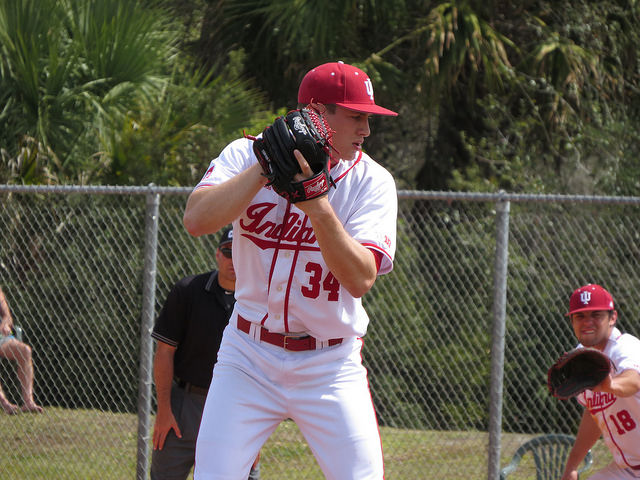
175,460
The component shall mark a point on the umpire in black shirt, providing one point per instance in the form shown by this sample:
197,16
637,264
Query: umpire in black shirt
188,333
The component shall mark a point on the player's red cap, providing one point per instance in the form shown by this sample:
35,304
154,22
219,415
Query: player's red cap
590,297
342,84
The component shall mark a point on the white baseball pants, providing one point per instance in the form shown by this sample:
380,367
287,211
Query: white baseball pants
257,385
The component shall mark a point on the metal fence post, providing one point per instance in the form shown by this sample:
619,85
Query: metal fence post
146,325
497,345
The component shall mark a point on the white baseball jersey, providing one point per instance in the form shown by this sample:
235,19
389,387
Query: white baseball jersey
618,417
288,287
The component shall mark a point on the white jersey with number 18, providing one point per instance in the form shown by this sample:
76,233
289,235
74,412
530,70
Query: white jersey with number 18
619,417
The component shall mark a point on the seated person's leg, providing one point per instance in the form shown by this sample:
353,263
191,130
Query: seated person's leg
13,349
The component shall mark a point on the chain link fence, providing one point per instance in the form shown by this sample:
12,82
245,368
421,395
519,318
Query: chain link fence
461,334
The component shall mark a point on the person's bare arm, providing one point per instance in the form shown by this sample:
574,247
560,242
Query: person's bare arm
350,262
625,384
210,208
6,321
163,377
588,434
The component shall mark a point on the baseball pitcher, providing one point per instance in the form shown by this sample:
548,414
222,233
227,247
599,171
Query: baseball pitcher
315,224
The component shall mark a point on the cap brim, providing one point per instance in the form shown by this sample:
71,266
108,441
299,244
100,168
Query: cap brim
587,309
368,108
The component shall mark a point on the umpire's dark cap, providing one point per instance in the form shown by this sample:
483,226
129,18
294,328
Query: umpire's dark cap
226,237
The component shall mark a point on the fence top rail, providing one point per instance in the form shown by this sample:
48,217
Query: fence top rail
514,197
402,194
97,189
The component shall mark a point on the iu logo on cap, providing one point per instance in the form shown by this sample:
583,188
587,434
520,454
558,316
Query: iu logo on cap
369,87
585,297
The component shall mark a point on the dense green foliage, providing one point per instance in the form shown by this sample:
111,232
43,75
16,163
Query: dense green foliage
497,95
96,91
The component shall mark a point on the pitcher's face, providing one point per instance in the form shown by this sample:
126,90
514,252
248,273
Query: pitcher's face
351,128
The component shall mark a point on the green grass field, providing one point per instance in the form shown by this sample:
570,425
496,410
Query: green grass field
81,444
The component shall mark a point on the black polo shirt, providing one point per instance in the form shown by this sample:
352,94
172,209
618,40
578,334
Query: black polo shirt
193,317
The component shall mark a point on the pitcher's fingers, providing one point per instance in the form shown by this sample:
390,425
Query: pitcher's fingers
304,165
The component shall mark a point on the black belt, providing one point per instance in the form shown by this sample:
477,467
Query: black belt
191,388
288,342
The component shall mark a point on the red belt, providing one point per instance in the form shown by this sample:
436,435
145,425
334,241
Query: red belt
288,342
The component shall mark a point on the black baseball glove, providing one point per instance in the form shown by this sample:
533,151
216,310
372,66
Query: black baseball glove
576,371
305,130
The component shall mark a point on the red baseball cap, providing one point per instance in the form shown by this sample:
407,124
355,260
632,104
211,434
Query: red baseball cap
590,297
342,84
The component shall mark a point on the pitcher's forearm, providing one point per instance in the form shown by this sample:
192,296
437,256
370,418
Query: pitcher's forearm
210,208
